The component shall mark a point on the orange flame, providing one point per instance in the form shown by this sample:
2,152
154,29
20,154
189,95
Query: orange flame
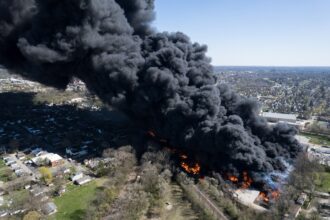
195,169
192,169
263,197
275,194
232,178
247,181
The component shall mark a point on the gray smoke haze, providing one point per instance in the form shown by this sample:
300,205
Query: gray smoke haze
161,79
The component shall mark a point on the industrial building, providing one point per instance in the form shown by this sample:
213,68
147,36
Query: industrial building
279,117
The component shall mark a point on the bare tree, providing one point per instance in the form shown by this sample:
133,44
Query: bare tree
305,173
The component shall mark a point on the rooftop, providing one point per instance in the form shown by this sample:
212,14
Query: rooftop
54,157
49,156
49,208
83,180
279,115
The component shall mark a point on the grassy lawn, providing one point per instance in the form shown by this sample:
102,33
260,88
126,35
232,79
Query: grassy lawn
2,164
324,182
6,174
73,203
19,197
317,139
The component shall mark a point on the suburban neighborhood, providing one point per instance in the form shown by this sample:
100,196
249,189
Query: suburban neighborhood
34,172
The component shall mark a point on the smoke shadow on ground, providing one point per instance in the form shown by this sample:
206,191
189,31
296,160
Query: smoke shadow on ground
27,124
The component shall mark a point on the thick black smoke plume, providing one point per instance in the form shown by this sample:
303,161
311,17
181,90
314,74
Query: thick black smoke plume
160,79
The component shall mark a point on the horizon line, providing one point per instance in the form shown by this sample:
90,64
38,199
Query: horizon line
314,66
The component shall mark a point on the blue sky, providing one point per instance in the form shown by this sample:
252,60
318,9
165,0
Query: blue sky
253,32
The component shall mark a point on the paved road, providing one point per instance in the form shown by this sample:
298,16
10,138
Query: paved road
210,204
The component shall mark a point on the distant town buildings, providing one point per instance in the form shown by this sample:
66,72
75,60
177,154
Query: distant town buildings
320,153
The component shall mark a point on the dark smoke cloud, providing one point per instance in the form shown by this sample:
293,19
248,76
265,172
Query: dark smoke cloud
161,79
139,14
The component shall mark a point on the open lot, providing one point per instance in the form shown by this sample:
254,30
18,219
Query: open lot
17,197
324,182
317,139
73,203
6,173
2,164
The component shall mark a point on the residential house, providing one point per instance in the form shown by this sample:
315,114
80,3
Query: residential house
48,158
83,180
20,156
77,176
49,208
10,162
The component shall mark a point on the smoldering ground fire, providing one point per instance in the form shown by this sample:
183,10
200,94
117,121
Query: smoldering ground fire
162,81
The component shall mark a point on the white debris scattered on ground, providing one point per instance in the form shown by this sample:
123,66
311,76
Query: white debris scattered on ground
169,206
247,197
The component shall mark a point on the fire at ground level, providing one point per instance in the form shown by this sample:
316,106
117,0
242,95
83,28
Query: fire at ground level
259,196
254,194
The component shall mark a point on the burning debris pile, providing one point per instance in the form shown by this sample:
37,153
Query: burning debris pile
191,168
161,80
189,165
244,182
267,197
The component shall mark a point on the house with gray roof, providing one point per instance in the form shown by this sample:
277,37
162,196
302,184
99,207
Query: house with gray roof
49,208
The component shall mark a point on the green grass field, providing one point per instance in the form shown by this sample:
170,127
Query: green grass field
5,172
317,139
72,204
323,184
19,197
2,164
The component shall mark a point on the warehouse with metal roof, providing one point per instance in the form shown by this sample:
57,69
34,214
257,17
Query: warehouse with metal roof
279,117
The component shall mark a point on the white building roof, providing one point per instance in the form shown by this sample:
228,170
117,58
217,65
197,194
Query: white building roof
279,115
49,208
54,157
83,180
322,150
77,176
48,156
